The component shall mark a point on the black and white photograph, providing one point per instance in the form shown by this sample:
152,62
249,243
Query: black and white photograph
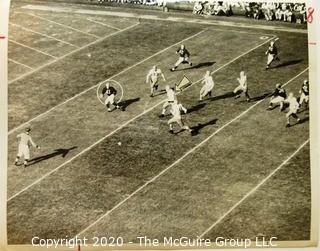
160,124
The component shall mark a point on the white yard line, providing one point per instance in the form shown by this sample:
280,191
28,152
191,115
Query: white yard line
253,190
42,34
92,87
71,52
26,46
180,159
60,24
126,123
16,62
103,24
177,161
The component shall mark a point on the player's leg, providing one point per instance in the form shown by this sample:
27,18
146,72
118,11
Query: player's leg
246,93
237,92
269,60
107,103
164,108
179,61
170,123
187,60
19,155
26,155
202,93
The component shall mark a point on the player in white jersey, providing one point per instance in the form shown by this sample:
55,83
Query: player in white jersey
25,142
207,87
242,87
304,93
293,108
171,97
153,78
176,110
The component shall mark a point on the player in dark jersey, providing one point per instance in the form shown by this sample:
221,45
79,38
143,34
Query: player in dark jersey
278,97
109,93
304,93
272,53
184,55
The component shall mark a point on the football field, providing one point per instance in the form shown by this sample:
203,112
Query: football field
241,166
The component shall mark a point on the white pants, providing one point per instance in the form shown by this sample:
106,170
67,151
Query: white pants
205,90
109,100
304,98
180,60
277,100
23,151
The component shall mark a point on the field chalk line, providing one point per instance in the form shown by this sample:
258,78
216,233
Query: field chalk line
181,158
129,121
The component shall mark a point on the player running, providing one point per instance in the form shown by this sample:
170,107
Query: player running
25,142
242,87
153,77
171,97
109,93
272,53
293,109
176,110
184,55
278,97
208,86
304,93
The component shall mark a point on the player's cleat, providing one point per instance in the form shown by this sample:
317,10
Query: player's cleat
171,131
248,100
151,95
190,64
298,121
109,110
156,87
288,125
161,115
172,69
267,68
16,163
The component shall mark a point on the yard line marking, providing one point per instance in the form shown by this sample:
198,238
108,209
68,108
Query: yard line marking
42,34
180,159
126,123
103,24
253,189
16,62
63,25
95,86
26,46
71,52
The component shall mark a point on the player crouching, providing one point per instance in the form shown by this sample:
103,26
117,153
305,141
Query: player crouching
207,87
278,97
293,109
109,93
25,141
176,110
304,93
184,55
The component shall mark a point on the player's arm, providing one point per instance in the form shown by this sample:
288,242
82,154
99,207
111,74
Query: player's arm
187,53
103,92
33,144
148,77
183,108
162,75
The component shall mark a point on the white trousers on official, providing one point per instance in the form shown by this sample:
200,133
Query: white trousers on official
23,151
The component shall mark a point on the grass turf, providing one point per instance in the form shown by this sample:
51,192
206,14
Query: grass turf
110,173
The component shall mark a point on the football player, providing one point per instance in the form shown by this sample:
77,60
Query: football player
207,87
304,93
272,54
25,142
171,97
153,77
175,111
242,87
278,97
184,55
293,109
109,93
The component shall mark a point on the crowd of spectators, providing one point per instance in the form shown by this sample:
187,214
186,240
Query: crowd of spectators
287,12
